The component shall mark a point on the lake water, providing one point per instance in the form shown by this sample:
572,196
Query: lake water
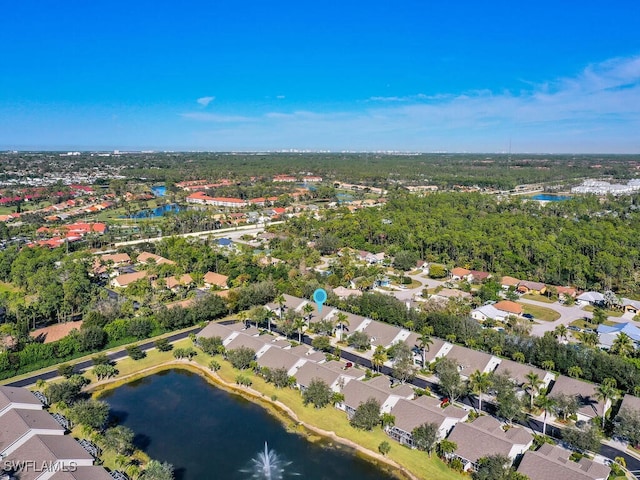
209,434
550,198
156,212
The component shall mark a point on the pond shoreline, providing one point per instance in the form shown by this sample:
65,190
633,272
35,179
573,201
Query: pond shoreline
276,408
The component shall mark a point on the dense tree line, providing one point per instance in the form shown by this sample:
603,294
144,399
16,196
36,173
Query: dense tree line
581,242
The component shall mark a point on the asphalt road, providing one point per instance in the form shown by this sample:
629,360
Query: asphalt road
82,366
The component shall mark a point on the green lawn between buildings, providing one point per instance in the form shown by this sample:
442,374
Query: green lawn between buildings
541,313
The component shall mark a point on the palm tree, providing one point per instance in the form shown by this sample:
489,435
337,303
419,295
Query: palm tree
308,310
271,315
561,331
518,357
548,364
532,384
545,403
424,340
379,357
589,339
606,391
280,300
622,345
479,383
243,316
343,321
574,371
298,325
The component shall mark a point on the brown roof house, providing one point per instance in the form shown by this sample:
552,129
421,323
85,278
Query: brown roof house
459,273
146,257
552,461
507,282
212,279
126,279
510,307
486,436
537,288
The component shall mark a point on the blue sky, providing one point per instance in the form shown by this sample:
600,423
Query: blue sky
375,75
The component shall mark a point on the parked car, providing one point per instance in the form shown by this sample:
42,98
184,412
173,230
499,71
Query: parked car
528,315
574,328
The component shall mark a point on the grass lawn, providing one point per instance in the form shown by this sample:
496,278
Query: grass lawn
541,313
610,313
328,418
582,323
538,298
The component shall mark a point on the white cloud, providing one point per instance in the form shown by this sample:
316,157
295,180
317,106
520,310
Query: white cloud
204,101
280,97
597,110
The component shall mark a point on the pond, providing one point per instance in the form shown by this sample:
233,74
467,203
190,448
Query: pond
156,212
551,198
207,433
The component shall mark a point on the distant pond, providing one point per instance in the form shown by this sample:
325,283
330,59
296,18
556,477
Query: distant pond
207,433
156,212
551,198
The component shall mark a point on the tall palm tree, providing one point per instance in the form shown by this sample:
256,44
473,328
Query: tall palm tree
307,310
532,384
424,341
545,403
379,357
479,383
343,322
280,300
622,345
298,325
271,315
606,391
561,331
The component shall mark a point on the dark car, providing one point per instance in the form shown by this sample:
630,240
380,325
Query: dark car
528,315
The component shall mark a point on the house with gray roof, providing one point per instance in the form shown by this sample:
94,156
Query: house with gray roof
438,348
486,436
585,392
590,298
16,397
291,303
410,414
254,343
275,358
518,372
214,329
18,425
552,461
381,333
356,392
310,371
83,473
469,360
630,402
54,452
